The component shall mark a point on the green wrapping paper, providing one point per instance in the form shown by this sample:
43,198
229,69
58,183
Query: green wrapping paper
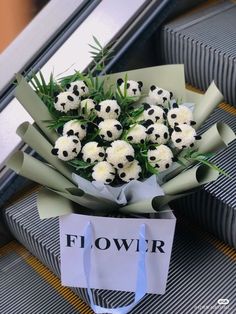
31,136
38,171
34,106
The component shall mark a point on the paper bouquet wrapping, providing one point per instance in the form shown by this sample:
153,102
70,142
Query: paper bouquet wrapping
121,145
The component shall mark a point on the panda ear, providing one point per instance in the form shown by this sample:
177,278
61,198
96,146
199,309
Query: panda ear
68,85
98,107
153,87
119,81
140,84
54,151
171,94
146,106
175,105
165,110
55,94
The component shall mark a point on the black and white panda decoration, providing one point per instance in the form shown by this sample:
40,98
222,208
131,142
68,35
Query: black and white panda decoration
136,134
108,109
158,133
133,88
110,129
153,114
79,88
160,157
103,172
131,172
93,152
120,154
67,147
180,114
66,101
160,95
87,106
75,127
184,136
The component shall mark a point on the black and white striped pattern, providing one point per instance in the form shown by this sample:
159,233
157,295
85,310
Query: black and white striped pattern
204,41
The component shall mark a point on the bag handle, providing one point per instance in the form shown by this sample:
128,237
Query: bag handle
141,282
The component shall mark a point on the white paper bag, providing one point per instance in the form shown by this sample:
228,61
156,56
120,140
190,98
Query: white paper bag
115,251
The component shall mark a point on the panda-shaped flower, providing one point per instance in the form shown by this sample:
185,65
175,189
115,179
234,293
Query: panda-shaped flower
131,172
136,134
75,127
87,105
158,133
103,172
110,129
184,136
180,114
119,154
79,88
160,95
153,114
133,88
92,152
108,109
160,157
67,147
66,101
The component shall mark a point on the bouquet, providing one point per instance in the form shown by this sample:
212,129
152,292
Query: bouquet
119,143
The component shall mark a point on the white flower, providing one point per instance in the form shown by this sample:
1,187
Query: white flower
180,115
80,88
160,95
160,157
75,127
133,88
103,172
67,147
66,101
87,105
120,154
110,129
158,133
108,109
183,136
153,114
92,152
136,134
131,172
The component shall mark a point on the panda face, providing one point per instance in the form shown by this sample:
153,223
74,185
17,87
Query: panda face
103,172
160,157
131,172
108,109
92,152
133,88
120,154
87,105
110,129
158,134
136,134
180,114
75,127
183,136
153,114
160,95
67,147
66,101
79,88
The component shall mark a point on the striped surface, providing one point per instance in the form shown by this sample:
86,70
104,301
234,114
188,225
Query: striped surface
29,287
204,41
202,269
